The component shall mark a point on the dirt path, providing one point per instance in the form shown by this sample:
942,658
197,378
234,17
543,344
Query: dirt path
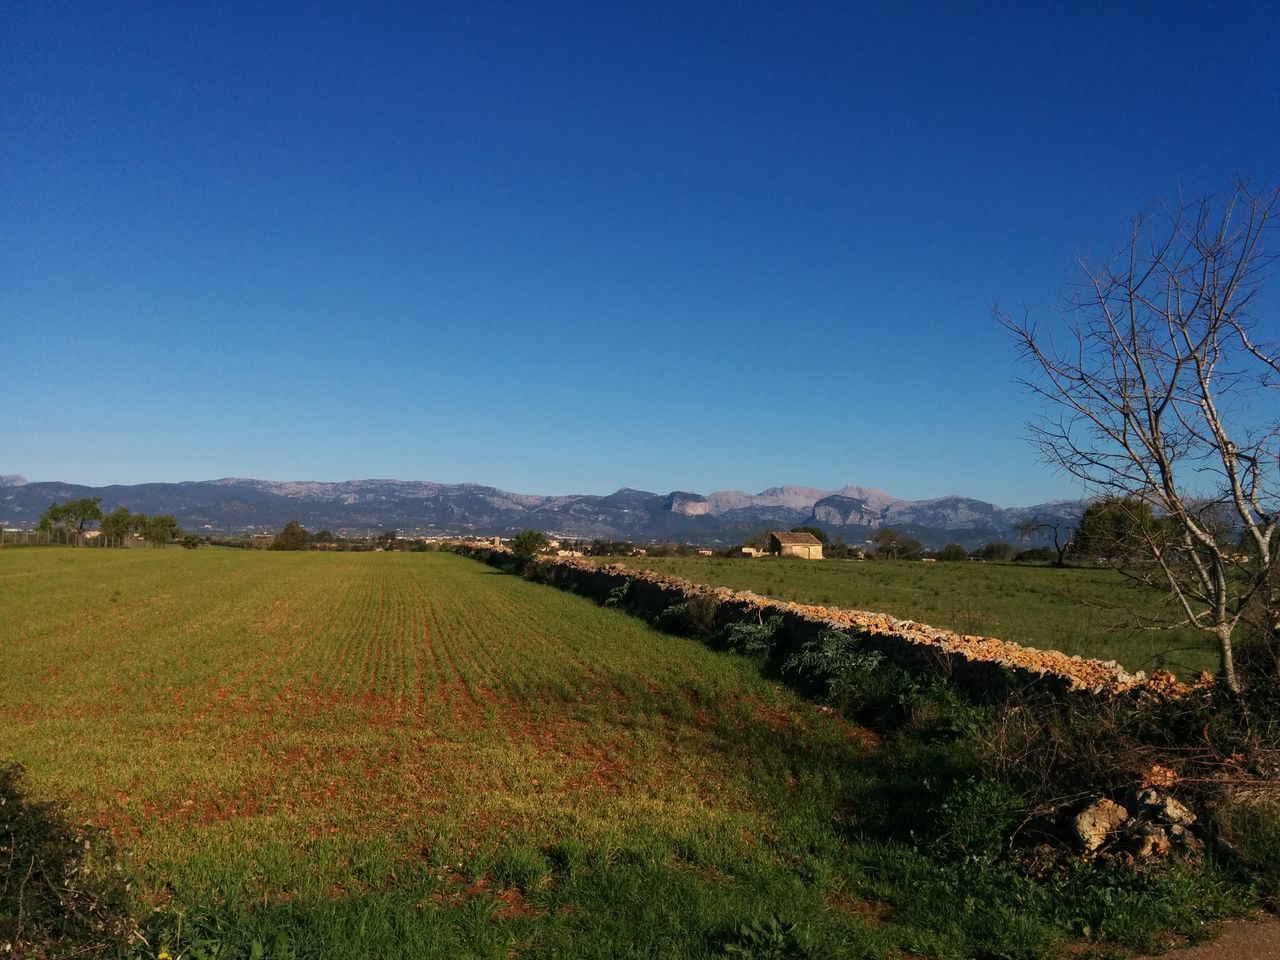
1241,940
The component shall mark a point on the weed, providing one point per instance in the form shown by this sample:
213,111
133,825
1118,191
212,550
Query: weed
768,938
618,594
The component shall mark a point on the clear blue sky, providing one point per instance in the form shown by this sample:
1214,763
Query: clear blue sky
570,247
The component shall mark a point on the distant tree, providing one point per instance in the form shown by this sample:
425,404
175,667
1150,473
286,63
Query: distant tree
324,536
161,529
890,544
839,550
388,539
996,551
119,523
190,541
953,551
72,516
1061,535
1116,529
527,544
294,536
609,548
820,534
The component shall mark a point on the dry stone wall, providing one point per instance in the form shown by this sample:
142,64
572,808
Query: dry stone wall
980,664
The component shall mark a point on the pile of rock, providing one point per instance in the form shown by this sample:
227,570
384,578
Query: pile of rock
1150,823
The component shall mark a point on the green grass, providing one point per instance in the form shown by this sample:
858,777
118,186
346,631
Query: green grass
1081,611
373,755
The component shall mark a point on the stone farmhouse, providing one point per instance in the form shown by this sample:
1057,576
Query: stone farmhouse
804,545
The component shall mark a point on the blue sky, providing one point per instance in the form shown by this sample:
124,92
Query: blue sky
571,247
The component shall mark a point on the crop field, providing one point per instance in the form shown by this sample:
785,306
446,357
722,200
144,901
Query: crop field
374,755
1081,611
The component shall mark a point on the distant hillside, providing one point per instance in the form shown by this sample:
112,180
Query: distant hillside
234,505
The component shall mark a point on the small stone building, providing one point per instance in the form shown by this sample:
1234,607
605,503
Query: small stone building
804,545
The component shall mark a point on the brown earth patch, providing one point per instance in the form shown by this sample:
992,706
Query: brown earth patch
873,914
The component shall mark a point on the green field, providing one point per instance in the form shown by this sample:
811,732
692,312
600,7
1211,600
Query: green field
375,755
1086,611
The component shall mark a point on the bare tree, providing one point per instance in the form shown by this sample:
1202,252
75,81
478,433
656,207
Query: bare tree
1161,383
1061,535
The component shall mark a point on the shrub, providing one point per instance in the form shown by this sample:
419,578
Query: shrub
1035,555
752,638
696,616
61,892
858,681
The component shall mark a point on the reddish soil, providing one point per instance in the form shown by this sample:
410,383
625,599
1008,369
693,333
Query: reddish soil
1240,940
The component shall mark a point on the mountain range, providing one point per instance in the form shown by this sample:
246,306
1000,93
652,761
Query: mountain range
238,505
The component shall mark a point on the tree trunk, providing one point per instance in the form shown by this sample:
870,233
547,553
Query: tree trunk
1227,669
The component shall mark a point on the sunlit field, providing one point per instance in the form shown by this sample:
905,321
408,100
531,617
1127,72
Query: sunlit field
412,744
1083,611
376,755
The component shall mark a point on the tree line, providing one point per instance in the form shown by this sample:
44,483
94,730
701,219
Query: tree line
75,519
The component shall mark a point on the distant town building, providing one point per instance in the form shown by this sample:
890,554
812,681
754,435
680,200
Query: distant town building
803,545
706,553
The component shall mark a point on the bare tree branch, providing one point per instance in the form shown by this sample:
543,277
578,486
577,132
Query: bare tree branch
1158,387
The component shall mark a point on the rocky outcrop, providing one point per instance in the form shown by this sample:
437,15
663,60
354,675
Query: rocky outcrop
687,504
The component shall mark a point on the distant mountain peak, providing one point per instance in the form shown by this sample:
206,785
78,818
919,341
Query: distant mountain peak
233,505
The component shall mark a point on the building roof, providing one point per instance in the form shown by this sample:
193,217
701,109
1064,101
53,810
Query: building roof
796,539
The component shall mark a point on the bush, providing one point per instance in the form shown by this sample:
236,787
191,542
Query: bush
527,544
61,891
694,617
753,638
858,681
618,594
